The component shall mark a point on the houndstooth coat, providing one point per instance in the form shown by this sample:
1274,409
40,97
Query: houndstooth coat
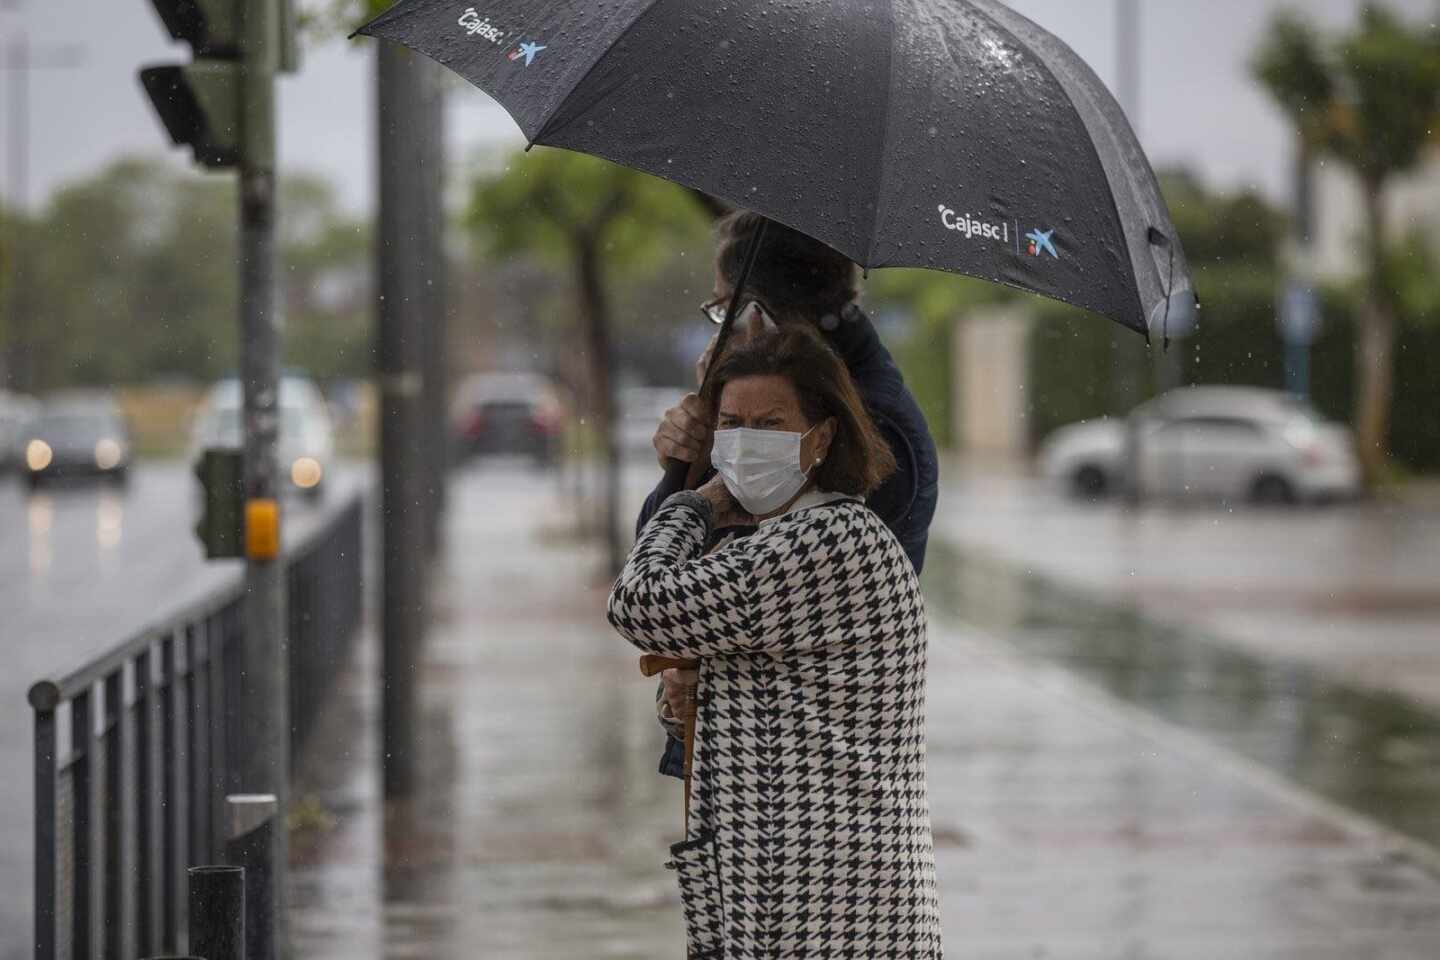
809,830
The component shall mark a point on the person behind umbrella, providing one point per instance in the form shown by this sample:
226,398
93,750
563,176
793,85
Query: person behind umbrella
798,280
809,829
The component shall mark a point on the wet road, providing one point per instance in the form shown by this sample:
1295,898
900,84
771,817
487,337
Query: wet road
1080,809
1352,590
82,567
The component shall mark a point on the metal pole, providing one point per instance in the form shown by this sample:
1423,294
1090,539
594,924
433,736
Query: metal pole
436,305
260,745
1127,55
400,357
217,912
44,698
1126,353
249,843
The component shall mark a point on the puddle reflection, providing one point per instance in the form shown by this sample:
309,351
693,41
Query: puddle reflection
1375,752
40,511
109,520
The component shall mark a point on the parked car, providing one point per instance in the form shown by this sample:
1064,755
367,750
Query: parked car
507,413
1216,443
17,412
307,436
86,438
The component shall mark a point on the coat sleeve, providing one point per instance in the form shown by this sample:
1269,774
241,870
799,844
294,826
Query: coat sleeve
763,594
674,600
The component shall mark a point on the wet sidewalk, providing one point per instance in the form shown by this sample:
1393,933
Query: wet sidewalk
1069,823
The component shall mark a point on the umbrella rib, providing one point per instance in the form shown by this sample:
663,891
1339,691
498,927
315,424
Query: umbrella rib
1089,140
565,100
884,145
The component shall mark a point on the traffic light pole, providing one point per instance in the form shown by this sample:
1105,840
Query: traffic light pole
401,333
263,714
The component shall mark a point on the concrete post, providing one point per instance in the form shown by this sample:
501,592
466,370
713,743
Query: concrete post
250,825
217,912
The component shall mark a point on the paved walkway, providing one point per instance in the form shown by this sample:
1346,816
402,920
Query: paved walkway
1068,825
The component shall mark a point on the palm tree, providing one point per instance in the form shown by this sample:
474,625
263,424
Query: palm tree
1371,100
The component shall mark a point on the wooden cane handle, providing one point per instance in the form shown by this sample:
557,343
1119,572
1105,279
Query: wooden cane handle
651,664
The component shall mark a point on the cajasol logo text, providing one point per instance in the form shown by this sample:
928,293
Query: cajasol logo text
973,227
478,26
1038,243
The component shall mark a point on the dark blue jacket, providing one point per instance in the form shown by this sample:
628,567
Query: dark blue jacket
906,501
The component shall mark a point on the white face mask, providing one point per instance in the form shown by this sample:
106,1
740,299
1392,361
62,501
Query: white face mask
761,468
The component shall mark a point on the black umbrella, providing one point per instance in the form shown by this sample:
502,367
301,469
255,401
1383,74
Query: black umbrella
950,134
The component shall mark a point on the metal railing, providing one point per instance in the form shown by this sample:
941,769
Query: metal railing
134,753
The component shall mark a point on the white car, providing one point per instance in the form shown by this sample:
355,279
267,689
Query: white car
307,436
1214,443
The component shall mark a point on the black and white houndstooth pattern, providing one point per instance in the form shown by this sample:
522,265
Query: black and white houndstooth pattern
810,824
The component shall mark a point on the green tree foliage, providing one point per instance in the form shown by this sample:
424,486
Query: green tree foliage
1237,340
601,223
134,278
325,265
1222,231
548,202
1231,240
1371,99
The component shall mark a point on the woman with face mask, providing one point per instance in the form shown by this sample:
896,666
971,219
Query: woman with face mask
798,281
809,827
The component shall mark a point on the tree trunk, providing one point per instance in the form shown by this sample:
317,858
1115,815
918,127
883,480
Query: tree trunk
1375,350
595,310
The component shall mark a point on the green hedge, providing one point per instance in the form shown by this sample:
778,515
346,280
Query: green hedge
1236,342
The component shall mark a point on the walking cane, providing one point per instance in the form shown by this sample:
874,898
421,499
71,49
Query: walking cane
650,665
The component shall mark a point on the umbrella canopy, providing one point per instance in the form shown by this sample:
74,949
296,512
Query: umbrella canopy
949,134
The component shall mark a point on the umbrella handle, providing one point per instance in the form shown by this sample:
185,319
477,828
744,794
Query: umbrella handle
677,473
651,664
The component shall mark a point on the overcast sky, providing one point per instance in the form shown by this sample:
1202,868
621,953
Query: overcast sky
1198,105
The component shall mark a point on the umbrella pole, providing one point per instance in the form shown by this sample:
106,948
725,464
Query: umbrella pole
677,472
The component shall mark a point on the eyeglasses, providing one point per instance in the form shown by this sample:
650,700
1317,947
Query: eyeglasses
714,311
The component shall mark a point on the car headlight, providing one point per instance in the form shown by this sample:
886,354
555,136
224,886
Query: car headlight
38,455
305,473
108,454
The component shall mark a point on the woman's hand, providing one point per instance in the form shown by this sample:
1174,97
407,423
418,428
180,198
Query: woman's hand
684,434
680,692
725,512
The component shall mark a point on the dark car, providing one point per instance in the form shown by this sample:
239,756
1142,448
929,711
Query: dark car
508,413
88,440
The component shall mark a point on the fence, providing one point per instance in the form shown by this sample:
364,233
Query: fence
133,759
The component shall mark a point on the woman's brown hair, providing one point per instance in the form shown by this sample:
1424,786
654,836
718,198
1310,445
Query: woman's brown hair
859,459
795,276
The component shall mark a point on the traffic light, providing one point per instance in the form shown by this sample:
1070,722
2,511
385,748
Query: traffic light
200,102
221,527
